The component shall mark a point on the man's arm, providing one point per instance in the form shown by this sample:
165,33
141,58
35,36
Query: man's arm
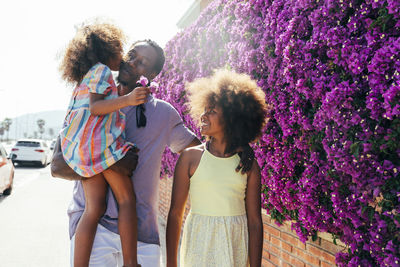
128,163
195,142
60,169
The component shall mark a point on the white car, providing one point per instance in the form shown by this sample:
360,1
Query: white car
53,144
31,150
6,172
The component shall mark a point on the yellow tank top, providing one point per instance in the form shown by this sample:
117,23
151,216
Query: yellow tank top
216,189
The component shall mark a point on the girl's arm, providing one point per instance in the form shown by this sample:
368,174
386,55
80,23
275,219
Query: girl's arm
180,190
99,106
253,211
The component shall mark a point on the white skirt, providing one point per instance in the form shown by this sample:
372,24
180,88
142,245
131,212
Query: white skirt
214,241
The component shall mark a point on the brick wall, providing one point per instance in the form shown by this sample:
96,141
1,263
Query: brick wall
282,247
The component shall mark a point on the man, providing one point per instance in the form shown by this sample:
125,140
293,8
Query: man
151,127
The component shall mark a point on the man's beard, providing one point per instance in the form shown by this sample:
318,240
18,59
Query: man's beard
129,79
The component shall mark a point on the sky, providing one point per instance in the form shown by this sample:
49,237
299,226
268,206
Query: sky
34,34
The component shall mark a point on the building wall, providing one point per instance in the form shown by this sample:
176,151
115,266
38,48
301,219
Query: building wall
204,4
192,13
282,247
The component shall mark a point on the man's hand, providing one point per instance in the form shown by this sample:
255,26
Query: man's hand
59,168
246,155
128,163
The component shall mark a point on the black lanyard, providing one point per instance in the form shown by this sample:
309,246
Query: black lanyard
141,119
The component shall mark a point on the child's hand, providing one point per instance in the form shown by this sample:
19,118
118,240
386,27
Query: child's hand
138,96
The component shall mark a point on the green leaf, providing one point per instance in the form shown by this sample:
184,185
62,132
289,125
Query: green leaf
314,237
355,148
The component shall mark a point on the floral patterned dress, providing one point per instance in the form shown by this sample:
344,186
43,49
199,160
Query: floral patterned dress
215,231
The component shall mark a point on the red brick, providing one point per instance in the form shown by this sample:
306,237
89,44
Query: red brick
275,241
266,236
328,257
275,260
330,247
267,263
294,241
312,260
271,230
325,264
317,242
266,219
286,246
286,228
292,259
314,251
265,254
272,249
306,257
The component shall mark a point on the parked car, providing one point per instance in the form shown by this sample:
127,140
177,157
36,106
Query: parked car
53,144
6,172
31,151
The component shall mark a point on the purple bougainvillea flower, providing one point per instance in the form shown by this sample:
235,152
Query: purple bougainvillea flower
329,155
154,87
143,81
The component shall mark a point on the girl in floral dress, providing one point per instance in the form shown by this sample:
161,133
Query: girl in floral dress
93,135
224,226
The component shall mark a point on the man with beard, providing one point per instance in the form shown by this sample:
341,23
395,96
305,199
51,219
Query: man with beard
152,127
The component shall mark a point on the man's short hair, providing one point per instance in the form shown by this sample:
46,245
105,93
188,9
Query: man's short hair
160,54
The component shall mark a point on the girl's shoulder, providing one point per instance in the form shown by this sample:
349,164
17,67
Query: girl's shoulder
192,157
194,151
99,79
99,70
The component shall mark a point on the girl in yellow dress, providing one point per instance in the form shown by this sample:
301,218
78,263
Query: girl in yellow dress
224,226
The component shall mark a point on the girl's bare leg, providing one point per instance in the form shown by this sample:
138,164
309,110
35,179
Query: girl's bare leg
95,189
122,188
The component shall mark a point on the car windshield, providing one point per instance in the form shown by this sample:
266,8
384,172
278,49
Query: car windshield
28,143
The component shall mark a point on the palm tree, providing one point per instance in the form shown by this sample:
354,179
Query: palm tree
1,131
41,123
6,125
51,132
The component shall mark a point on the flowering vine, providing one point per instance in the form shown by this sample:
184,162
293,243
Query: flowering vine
330,155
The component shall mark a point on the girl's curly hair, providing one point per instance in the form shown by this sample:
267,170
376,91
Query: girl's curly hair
93,43
242,103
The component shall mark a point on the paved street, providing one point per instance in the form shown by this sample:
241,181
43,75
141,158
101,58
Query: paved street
33,224
33,221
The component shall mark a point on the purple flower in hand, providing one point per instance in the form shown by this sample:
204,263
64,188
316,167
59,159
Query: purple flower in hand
143,81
